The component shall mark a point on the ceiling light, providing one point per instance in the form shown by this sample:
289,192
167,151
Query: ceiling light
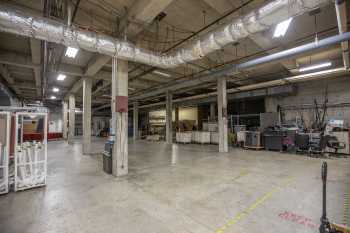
71,52
55,89
53,97
162,73
314,67
282,28
314,74
61,77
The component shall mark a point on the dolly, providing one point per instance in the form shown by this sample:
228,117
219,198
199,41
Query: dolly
326,226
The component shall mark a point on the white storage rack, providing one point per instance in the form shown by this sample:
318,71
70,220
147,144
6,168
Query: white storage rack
30,157
4,154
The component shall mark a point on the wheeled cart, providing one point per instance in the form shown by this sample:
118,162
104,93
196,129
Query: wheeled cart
5,125
30,151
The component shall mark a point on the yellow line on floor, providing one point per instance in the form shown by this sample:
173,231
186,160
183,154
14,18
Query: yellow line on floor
252,207
241,174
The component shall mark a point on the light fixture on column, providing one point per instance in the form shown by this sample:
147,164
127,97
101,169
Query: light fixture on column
315,66
282,28
61,77
71,52
162,73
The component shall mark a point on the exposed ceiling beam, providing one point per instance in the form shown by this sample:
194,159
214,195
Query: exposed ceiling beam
142,13
35,48
6,75
342,18
93,66
258,38
23,60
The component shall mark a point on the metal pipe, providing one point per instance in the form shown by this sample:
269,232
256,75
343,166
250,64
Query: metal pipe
179,84
21,23
340,8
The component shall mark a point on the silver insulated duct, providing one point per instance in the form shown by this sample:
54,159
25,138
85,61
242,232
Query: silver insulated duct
21,23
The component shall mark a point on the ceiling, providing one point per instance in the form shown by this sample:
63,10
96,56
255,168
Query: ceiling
159,25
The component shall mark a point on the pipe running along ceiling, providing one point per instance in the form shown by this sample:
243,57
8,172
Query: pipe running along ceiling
22,23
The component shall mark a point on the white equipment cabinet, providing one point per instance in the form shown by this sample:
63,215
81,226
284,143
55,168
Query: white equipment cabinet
183,137
5,125
201,137
30,156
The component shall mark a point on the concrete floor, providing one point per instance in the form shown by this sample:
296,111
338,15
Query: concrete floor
177,189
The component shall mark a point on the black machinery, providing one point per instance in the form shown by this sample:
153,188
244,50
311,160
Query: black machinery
107,157
326,226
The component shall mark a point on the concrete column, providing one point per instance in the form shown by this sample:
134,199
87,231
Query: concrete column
136,120
168,118
120,116
212,111
71,131
222,115
64,120
176,116
86,115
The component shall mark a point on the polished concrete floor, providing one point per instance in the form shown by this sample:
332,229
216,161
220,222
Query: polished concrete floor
178,189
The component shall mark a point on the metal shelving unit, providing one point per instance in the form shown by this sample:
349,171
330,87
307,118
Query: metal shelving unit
4,151
30,155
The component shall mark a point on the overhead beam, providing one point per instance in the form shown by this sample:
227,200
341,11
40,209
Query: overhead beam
6,75
140,14
342,19
258,38
23,60
35,48
93,66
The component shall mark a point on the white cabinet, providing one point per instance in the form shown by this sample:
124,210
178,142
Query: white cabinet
201,137
183,137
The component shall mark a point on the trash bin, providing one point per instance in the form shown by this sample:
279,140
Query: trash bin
107,158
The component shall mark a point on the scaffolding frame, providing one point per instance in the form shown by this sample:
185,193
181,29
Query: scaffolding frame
31,164
5,154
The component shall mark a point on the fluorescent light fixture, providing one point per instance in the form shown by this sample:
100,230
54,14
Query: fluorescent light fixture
314,74
61,77
315,67
53,97
71,52
162,73
55,89
282,28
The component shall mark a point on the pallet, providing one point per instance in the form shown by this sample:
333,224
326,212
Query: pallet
253,147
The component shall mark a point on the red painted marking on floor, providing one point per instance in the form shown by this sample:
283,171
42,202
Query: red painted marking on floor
289,216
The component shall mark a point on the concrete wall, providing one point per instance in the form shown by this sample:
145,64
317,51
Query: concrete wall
302,104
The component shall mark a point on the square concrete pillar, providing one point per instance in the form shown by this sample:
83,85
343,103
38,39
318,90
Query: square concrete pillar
64,119
176,116
87,82
222,115
71,131
120,116
136,121
168,118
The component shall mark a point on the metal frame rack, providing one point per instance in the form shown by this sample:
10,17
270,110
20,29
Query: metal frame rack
4,155
30,157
